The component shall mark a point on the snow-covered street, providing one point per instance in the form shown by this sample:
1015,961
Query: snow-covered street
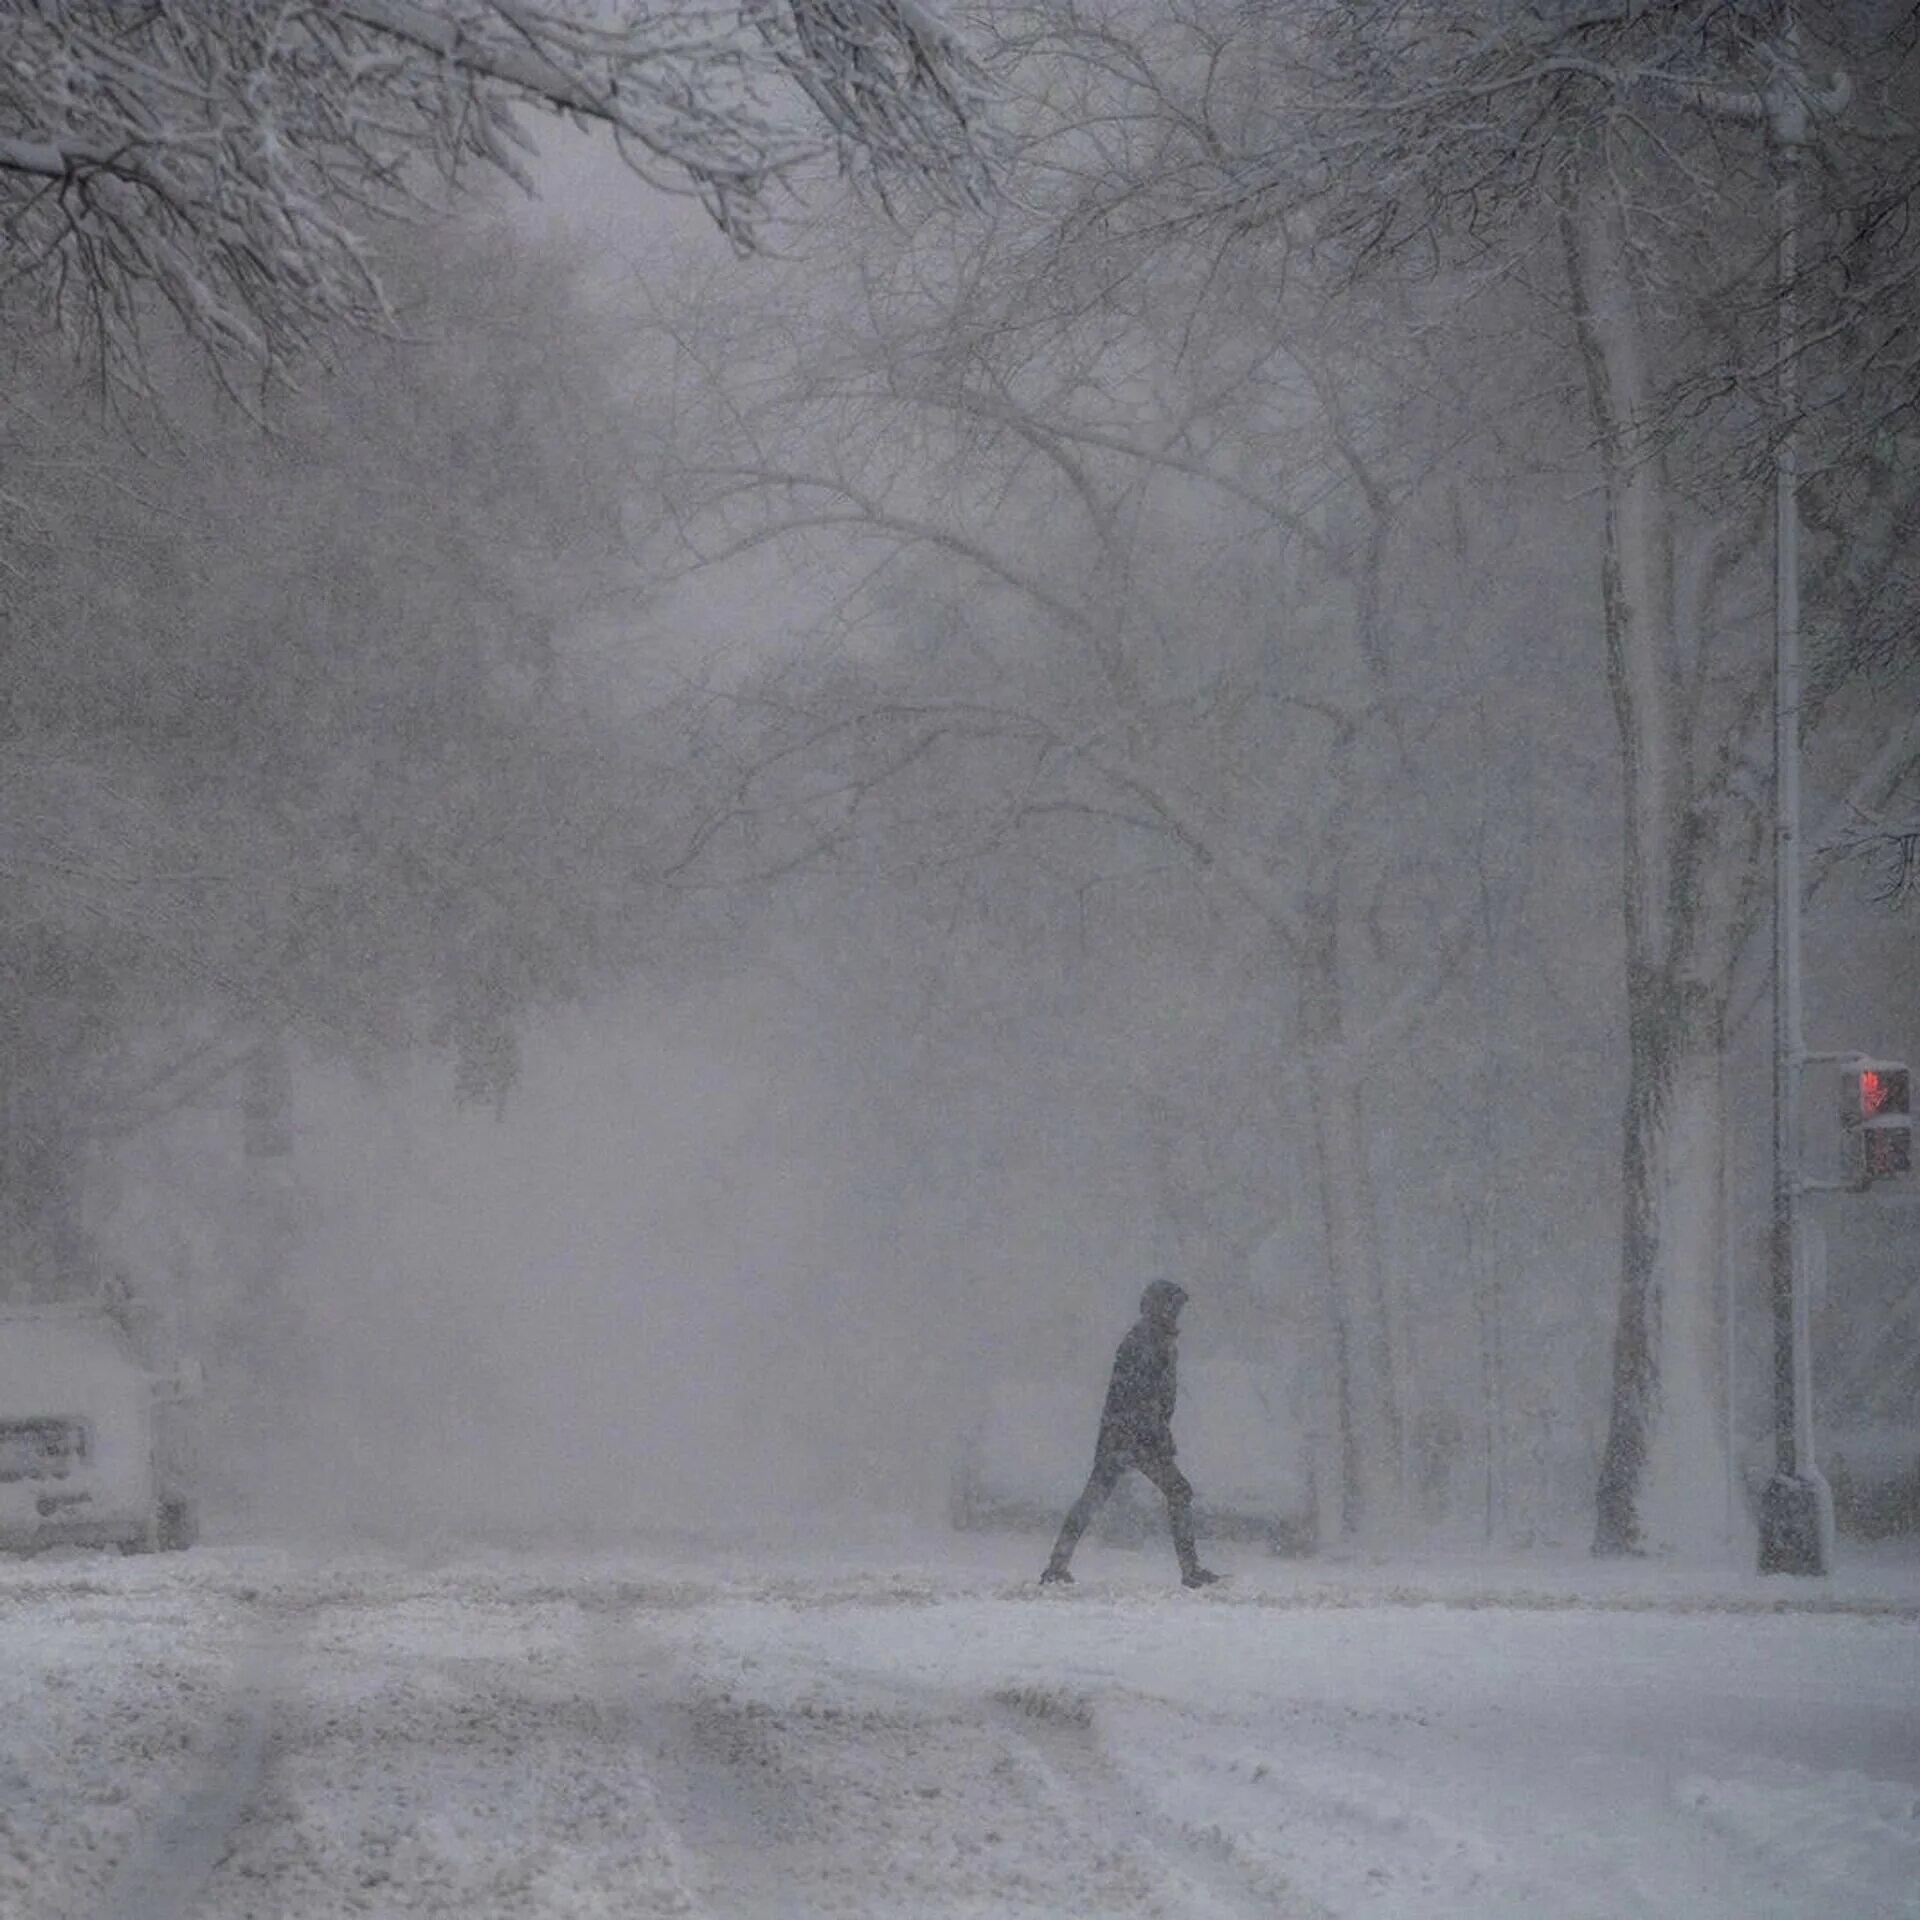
244,1733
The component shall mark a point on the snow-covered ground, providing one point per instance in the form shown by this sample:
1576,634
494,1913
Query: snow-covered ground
919,1730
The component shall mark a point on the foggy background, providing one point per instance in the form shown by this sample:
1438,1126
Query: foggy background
795,1079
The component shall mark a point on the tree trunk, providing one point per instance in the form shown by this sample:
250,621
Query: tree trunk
1663,1469
1357,1308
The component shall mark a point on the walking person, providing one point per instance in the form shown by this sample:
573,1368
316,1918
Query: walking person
1136,1430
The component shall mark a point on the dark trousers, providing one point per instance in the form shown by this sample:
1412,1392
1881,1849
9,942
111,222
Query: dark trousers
1109,1463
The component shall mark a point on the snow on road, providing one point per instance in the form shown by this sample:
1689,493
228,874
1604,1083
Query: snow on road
242,1735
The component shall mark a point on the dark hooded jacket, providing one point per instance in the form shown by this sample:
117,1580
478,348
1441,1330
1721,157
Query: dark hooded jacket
1138,1415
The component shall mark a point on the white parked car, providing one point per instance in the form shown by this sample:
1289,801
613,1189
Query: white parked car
1025,1458
93,1446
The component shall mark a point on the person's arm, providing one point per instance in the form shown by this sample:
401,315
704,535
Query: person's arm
1133,1399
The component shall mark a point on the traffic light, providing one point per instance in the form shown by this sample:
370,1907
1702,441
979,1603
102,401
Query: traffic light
1876,1111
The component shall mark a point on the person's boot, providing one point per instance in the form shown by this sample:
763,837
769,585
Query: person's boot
1180,1513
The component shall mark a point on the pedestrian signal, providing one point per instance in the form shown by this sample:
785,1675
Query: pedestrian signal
1876,1113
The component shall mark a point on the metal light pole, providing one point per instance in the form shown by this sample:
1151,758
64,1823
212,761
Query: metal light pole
1796,1509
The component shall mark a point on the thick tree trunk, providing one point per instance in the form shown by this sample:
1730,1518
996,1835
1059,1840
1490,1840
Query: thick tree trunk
1663,1470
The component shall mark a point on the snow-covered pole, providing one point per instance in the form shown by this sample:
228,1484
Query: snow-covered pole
1796,1509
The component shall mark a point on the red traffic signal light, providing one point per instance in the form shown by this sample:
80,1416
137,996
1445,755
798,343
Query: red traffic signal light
1876,1109
1883,1090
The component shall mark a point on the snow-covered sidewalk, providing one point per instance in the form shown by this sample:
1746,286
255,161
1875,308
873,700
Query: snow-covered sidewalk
923,1732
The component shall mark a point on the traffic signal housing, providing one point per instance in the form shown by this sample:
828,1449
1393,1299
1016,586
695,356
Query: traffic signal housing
1876,1115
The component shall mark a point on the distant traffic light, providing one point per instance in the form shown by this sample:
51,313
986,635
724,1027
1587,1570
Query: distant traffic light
1876,1113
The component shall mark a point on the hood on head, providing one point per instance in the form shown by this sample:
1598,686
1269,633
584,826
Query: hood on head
1162,1301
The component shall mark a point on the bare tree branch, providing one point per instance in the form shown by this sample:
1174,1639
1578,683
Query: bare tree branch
224,156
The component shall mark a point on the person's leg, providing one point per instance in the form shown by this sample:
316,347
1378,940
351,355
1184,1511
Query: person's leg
1107,1469
1162,1471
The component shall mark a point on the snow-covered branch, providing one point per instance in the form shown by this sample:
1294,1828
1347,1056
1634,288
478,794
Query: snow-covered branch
1862,828
225,155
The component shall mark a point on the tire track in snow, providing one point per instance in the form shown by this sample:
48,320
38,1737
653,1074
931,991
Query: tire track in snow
791,1812
166,1874
751,1832
860,1794
1060,1729
435,1757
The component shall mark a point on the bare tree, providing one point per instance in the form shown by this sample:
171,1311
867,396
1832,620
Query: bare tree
1204,510
288,745
1613,159
1573,177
